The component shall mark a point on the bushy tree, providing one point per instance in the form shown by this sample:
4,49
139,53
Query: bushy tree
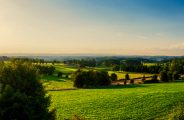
60,74
114,77
22,96
85,79
163,76
47,70
143,78
154,79
115,67
170,75
176,75
127,77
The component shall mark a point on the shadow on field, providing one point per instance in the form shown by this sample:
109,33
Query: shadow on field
54,78
120,86
179,80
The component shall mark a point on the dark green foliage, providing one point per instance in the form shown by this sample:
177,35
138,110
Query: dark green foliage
66,76
85,79
163,76
143,78
154,79
132,81
47,70
176,75
114,77
115,67
60,74
127,77
82,63
22,96
170,75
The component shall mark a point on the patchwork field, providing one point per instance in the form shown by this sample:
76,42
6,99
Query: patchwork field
139,102
55,83
121,75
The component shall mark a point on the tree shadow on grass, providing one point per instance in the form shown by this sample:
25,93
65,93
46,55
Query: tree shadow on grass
54,78
179,80
121,86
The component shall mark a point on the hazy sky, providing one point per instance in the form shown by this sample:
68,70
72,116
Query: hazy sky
115,27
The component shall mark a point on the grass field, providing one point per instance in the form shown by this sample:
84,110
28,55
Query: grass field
138,102
149,64
121,75
55,83
65,69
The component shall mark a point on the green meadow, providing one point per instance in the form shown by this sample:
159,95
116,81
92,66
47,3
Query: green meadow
138,102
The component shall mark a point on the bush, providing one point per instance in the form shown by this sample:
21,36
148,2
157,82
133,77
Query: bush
47,70
114,77
86,79
176,75
127,77
22,96
170,75
115,67
60,74
143,78
132,81
154,79
163,76
66,75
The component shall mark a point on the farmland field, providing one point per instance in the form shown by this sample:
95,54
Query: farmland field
121,75
52,82
146,101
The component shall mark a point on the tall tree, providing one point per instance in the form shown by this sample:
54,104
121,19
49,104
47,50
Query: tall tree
22,96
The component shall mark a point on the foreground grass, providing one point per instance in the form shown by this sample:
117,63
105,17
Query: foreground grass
139,102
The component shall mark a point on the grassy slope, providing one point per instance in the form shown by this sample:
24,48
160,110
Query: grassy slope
146,101
55,83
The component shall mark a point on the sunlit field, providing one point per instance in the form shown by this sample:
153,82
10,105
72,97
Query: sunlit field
139,102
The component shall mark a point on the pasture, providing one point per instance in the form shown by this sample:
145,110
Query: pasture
144,101
139,102
52,82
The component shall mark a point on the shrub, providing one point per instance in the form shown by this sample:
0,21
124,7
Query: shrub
163,76
115,67
114,77
154,79
176,75
22,96
66,76
143,78
132,81
127,77
170,75
47,70
85,79
60,74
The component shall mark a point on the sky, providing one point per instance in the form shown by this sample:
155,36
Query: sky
103,27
